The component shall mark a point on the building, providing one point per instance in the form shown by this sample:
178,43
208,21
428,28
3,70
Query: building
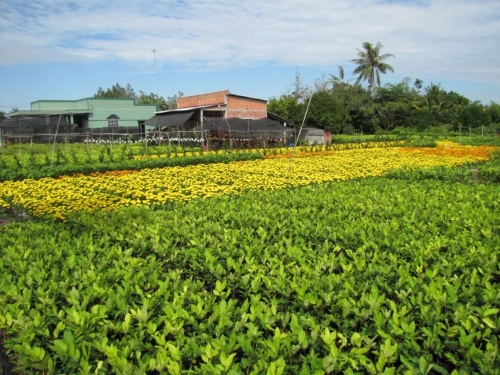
313,136
87,113
221,119
194,110
226,105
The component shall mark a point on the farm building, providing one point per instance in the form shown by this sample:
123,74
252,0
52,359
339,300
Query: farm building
76,116
315,136
222,118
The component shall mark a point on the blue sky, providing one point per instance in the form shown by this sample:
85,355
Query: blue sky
65,49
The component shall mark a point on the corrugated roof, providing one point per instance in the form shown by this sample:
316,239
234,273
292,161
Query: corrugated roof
169,120
247,97
168,111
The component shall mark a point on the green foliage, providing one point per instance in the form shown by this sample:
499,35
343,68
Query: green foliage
476,140
486,173
473,115
127,92
161,103
361,277
85,159
494,110
352,108
421,141
117,91
326,113
288,108
154,99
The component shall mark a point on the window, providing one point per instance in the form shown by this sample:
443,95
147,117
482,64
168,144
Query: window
113,121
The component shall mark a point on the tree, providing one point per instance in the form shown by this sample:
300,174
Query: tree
370,63
300,91
339,80
172,100
127,92
117,91
159,101
321,84
418,84
473,115
435,101
494,110
287,107
393,114
3,116
400,92
327,113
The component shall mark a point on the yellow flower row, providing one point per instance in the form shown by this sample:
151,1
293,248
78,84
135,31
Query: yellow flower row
58,197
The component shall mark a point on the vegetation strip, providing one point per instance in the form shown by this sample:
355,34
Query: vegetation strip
59,197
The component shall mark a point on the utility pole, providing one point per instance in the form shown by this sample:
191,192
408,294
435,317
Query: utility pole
156,73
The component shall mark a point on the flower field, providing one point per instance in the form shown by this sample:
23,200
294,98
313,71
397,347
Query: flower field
312,262
108,191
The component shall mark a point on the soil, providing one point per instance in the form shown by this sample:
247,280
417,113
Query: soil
4,221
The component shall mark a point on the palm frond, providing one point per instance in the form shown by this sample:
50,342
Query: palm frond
370,63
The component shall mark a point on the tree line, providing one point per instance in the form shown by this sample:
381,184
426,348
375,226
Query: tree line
127,92
337,105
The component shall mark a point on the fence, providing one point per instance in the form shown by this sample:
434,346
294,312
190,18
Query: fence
206,139
8,136
225,138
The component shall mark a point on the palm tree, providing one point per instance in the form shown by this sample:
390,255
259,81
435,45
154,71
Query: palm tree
370,63
339,80
418,84
435,98
433,95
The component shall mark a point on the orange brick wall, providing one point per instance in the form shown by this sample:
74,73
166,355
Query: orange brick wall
246,108
212,98
237,106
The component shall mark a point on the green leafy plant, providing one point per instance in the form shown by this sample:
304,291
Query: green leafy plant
370,276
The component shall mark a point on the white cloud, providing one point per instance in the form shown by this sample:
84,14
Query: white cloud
442,38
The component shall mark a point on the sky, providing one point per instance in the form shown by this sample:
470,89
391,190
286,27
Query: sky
66,49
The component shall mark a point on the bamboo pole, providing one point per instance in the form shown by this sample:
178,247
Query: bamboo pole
303,121
55,137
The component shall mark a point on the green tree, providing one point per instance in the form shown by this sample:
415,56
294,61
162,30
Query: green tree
421,119
364,117
117,91
494,110
418,84
287,107
327,113
395,103
401,92
340,79
445,106
172,100
159,101
370,63
435,101
127,92
393,114
473,115
3,116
